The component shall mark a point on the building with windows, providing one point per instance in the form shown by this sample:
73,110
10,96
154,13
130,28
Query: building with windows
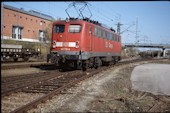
20,25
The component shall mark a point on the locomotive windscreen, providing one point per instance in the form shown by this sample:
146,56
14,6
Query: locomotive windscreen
74,28
59,28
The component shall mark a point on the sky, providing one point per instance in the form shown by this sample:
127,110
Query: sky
149,19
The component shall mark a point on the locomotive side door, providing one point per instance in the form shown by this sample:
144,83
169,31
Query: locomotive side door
91,38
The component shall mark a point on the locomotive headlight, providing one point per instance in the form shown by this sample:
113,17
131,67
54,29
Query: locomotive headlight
54,44
61,36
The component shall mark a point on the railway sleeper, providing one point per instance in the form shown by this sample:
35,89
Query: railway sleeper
39,89
46,86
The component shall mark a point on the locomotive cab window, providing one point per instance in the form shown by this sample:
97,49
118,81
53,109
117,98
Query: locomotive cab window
59,28
74,28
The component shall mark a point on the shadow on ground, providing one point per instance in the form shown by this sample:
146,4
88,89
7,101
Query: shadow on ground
46,67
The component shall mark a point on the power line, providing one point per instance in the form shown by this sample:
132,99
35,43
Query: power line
106,19
107,6
110,19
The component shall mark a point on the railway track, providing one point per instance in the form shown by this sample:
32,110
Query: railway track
56,83
15,83
157,106
9,84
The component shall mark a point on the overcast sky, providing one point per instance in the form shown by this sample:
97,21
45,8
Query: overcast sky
153,16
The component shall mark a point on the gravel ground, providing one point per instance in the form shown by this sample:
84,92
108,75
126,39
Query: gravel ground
15,72
109,90
13,101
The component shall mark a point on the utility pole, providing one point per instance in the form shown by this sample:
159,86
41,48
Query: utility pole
118,24
118,27
137,36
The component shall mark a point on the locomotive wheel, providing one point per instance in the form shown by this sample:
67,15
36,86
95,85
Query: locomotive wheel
15,59
25,58
106,64
97,63
91,62
62,69
62,66
84,68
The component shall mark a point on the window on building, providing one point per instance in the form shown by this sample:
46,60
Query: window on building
59,28
17,32
74,28
41,35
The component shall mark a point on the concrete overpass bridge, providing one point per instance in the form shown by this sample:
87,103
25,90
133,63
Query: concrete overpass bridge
146,45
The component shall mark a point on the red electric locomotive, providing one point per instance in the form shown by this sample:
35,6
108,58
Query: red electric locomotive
83,44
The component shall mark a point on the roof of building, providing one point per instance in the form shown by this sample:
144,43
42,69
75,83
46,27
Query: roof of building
31,12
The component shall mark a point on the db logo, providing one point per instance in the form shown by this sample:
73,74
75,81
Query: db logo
65,44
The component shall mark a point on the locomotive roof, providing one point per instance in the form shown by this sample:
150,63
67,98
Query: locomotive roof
89,21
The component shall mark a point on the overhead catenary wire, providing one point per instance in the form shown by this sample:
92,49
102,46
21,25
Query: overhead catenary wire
113,11
96,16
103,15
